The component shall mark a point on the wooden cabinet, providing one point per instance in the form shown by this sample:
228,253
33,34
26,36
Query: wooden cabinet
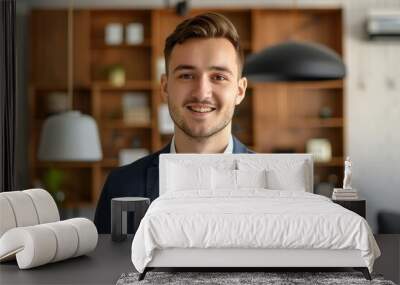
274,117
49,48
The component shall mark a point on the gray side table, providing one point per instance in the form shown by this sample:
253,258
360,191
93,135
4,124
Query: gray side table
119,208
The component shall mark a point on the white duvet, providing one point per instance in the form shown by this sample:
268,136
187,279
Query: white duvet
252,218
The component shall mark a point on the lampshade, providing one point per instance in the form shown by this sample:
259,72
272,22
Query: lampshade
70,136
294,61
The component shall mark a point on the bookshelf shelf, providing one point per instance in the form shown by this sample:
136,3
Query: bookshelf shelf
273,117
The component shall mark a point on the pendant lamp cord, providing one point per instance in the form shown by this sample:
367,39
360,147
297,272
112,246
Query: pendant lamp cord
70,56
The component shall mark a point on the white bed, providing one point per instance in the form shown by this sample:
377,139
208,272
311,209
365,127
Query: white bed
247,210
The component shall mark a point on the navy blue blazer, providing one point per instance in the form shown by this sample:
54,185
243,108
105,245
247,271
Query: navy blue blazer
138,179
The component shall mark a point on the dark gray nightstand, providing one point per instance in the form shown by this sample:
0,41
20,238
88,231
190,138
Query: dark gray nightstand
119,208
358,206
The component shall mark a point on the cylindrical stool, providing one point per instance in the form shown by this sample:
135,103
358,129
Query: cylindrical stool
119,209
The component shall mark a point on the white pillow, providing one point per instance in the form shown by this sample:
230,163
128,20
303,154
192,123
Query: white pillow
282,174
293,179
181,177
236,179
223,179
251,178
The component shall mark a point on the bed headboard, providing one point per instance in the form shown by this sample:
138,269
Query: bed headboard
233,161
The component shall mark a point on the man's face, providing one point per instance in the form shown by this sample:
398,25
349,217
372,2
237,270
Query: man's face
203,86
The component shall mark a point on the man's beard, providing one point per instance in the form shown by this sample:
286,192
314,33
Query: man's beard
198,135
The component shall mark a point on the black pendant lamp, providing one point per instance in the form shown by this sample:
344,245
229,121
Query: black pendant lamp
294,61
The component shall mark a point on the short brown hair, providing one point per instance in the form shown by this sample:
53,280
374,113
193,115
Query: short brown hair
207,25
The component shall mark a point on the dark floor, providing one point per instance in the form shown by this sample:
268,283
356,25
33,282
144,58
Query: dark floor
389,262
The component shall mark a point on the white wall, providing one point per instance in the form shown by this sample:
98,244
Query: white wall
372,93
373,112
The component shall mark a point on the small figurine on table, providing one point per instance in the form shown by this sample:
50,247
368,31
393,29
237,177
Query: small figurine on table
347,174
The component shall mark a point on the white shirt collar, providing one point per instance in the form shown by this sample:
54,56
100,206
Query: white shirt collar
229,148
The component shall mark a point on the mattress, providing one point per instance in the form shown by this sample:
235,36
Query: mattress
252,219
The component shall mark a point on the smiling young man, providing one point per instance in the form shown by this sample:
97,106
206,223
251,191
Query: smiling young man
202,85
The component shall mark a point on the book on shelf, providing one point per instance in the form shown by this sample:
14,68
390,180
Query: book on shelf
139,115
135,108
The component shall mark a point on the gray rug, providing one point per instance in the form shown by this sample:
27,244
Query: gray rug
229,278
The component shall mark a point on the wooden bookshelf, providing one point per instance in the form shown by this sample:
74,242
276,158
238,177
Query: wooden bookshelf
273,117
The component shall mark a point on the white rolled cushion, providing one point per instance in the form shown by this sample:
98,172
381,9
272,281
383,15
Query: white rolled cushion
40,244
67,239
45,205
182,177
23,208
223,179
7,218
33,245
87,235
251,178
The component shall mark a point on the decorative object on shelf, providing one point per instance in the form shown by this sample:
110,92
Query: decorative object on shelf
116,75
347,174
127,156
165,122
135,108
134,34
321,149
113,34
294,61
57,102
347,192
53,179
325,112
182,7
70,136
